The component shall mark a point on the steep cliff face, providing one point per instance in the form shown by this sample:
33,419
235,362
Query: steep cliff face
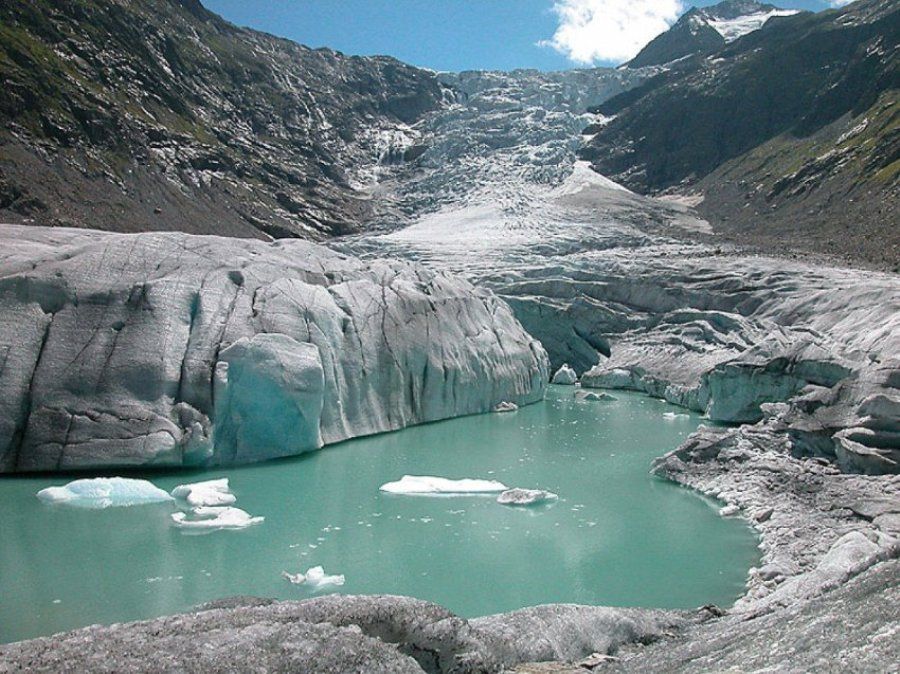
789,134
166,113
168,349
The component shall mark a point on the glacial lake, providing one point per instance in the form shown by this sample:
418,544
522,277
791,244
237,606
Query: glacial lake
616,536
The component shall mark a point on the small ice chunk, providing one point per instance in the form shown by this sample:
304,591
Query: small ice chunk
673,415
505,406
215,517
424,484
522,497
104,492
315,577
206,493
581,394
564,375
729,511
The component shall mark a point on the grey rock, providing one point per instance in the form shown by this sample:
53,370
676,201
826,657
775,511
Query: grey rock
525,497
339,634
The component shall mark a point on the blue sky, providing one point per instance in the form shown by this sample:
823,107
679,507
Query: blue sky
472,34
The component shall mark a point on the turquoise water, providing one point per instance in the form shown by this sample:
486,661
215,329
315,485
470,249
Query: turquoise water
616,536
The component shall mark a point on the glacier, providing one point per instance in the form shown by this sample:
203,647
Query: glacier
170,350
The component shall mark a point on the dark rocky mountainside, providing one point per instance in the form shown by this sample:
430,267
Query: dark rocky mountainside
695,32
790,134
157,114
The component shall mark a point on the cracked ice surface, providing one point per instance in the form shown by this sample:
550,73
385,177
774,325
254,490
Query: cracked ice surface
168,349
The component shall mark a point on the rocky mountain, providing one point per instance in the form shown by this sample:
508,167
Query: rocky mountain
704,30
786,137
135,115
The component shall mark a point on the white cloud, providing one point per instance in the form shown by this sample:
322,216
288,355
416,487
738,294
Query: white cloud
839,3
592,31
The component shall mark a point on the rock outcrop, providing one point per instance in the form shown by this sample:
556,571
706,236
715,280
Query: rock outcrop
341,634
174,350
163,111
811,161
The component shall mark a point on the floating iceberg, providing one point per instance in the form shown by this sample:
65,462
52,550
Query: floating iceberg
673,415
505,406
581,394
424,484
522,497
207,493
215,517
316,578
104,492
564,375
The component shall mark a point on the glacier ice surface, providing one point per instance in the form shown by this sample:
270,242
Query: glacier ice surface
104,492
425,484
206,493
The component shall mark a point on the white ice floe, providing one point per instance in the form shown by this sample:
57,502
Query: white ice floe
521,497
674,415
316,578
424,484
215,517
104,492
505,406
581,394
564,375
206,493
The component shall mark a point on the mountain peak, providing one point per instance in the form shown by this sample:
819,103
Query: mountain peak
703,30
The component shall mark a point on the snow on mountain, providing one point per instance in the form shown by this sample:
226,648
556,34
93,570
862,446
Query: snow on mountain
732,29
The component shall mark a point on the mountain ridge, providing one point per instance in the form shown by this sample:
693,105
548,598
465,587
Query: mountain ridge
811,160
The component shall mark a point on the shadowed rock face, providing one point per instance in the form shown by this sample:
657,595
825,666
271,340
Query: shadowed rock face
172,350
810,162
162,110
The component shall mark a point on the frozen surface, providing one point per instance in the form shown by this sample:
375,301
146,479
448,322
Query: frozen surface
424,484
215,517
104,492
732,29
565,375
205,493
315,578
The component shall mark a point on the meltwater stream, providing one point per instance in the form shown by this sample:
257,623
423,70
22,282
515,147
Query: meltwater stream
616,536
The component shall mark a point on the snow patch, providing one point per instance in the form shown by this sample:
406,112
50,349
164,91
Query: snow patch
732,29
582,178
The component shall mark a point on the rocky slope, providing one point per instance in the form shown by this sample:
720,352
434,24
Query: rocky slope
704,30
811,160
172,350
144,115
